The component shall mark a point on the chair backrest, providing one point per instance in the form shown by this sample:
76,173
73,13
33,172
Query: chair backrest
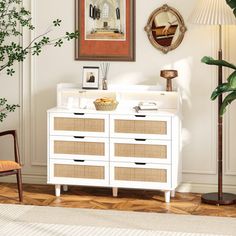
16,147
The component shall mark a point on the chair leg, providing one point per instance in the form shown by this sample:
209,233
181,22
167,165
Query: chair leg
19,185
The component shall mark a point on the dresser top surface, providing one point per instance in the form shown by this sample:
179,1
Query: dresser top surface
118,111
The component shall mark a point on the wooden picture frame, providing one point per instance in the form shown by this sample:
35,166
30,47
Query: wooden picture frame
90,77
101,38
165,28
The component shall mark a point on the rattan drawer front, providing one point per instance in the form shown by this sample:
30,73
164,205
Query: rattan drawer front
140,174
79,148
76,147
79,171
140,150
140,127
79,124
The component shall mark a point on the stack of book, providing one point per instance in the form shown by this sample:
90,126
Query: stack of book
146,106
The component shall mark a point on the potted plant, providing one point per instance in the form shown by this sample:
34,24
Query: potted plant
13,17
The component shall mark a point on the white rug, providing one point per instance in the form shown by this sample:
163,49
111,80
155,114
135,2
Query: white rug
45,221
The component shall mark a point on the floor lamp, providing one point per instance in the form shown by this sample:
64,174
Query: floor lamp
216,12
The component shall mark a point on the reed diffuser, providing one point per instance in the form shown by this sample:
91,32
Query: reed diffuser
104,69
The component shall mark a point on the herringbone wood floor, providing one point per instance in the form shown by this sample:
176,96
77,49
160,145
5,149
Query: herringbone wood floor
101,198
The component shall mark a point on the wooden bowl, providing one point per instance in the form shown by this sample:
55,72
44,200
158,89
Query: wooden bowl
169,74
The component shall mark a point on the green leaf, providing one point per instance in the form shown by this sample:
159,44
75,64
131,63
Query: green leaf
11,108
58,43
6,108
232,80
223,88
3,101
2,116
57,22
10,72
227,101
232,4
72,35
212,61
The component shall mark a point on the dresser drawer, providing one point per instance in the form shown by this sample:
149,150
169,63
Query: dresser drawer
140,175
79,147
79,124
140,126
74,172
140,150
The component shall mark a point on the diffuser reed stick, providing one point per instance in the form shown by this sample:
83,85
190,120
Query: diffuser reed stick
104,68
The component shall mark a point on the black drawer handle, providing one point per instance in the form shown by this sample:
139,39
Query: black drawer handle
79,114
79,160
79,137
140,163
140,139
140,115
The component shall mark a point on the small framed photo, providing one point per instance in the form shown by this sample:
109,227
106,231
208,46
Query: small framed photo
90,77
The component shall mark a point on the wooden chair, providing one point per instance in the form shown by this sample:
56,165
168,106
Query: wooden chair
12,167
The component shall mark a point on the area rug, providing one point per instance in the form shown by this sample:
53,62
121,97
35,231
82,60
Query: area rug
40,221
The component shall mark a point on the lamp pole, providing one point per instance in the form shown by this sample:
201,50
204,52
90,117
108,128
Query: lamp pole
220,122
219,198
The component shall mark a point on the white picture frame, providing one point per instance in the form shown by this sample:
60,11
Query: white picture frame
90,77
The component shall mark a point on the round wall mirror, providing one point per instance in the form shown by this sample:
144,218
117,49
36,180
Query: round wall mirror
165,28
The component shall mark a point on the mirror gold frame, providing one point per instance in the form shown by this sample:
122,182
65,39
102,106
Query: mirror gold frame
163,33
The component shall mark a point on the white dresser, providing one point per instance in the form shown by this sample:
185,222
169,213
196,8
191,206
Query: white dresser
118,149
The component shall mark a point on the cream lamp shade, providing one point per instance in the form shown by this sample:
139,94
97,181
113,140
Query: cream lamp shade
212,12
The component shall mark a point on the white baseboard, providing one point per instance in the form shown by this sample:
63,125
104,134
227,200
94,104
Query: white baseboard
184,187
204,188
27,179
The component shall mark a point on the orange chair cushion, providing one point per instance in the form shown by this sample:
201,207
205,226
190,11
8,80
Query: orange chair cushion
9,165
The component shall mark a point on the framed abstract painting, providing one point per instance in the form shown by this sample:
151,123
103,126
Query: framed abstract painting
107,30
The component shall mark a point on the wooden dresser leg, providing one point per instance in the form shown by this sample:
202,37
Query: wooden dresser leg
167,196
65,188
58,190
172,193
115,192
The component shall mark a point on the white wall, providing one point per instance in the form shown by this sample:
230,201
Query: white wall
36,89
